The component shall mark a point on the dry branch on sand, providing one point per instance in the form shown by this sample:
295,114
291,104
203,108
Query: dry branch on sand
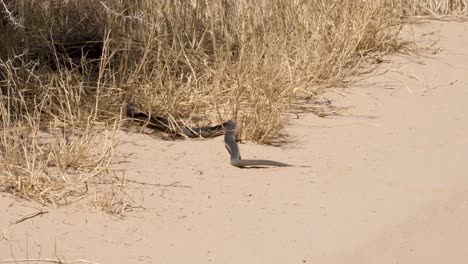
45,260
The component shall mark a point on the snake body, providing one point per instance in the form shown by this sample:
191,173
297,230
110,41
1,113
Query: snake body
227,128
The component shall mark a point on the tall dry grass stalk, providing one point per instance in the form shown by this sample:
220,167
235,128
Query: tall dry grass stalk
70,66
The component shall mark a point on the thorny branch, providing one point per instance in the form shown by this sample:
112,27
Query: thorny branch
9,15
140,17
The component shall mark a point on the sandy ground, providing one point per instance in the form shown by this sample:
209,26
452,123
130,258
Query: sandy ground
388,183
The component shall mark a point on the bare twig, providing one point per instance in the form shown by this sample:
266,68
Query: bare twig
174,184
29,216
140,16
9,15
58,261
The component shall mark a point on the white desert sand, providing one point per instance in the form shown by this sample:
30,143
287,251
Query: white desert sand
388,183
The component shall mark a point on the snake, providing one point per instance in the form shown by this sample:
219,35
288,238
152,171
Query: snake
228,129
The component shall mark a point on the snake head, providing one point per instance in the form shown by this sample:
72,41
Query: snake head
130,110
229,126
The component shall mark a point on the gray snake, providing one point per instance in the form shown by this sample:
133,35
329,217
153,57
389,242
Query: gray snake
227,128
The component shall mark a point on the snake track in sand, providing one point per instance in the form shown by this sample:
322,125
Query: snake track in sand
228,129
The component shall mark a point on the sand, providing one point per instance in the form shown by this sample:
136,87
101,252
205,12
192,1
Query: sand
387,183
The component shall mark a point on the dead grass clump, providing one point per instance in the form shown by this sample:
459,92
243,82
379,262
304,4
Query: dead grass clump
247,61
438,9
201,61
114,199
50,144
52,168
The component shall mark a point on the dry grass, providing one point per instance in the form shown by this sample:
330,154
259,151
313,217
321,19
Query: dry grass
436,8
51,165
67,68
